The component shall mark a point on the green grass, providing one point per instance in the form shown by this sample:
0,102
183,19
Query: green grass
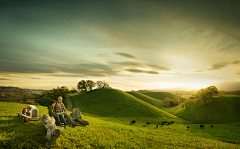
155,102
116,105
160,95
223,109
105,134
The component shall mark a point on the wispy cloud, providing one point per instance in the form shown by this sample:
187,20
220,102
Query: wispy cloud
4,79
141,71
126,55
221,65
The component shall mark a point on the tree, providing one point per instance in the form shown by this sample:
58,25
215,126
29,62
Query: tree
82,85
74,90
90,84
205,94
85,85
102,84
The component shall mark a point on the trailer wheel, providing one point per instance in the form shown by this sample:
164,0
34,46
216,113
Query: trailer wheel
18,114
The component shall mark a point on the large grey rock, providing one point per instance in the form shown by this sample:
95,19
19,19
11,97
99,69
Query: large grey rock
76,115
49,123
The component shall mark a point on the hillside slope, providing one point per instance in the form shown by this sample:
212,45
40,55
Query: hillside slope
148,99
160,95
222,110
116,104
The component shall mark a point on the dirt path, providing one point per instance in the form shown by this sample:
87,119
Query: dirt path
69,103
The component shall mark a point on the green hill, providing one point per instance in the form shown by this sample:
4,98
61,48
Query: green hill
160,95
118,105
221,110
150,100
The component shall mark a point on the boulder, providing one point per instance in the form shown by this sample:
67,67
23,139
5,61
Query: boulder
76,115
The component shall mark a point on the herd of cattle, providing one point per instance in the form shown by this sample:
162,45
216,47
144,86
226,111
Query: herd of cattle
169,123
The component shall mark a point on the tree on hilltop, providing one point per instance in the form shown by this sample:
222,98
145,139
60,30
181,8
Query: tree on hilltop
85,85
205,94
102,84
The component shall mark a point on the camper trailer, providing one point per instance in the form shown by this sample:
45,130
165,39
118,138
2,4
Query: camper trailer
29,112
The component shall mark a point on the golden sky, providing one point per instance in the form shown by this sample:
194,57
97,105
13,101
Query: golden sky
129,44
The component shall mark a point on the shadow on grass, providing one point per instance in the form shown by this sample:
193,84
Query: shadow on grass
17,134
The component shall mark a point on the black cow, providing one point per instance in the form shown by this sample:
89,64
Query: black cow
188,127
211,126
133,121
172,121
148,123
157,126
202,126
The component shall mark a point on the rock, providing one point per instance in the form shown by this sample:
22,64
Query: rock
49,123
76,115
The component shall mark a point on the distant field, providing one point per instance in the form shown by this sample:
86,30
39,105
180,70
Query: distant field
106,134
160,95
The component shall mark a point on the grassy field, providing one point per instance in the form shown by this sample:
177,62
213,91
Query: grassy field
104,134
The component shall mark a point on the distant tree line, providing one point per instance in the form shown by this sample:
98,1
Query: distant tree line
17,95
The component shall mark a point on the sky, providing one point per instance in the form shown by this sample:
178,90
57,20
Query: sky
132,45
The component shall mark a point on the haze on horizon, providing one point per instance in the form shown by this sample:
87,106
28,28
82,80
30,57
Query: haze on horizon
130,44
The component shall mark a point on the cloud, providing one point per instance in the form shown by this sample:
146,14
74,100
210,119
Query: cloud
4,79
102,55
236,62
126,63
35,78
221,65
199,71
160,68
126,55
61,70
142,71
238,73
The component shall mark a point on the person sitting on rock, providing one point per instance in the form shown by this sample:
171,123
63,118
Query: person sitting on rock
54,114
59,108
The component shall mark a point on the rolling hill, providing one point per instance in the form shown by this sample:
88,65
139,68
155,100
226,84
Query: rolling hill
223,109
118,105
155,102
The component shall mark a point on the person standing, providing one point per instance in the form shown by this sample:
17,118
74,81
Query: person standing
59,108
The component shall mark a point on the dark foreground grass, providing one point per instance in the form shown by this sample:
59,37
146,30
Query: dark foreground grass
99,134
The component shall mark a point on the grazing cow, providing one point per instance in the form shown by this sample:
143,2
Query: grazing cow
162,124
148,123
188,127
157,126
133,121
211,126
172,121
202,126
169,123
